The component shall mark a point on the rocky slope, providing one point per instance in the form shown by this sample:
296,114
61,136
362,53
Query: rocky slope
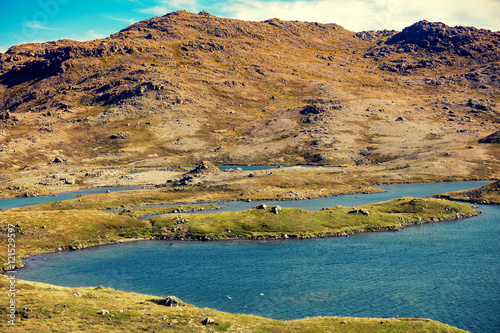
184,88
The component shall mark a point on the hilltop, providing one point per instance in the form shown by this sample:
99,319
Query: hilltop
185,88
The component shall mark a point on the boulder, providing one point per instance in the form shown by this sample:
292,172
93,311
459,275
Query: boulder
276,209
208,321
171,302
359,211
261,206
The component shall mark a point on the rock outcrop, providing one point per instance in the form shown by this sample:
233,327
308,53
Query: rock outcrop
492,138
205,168
171,302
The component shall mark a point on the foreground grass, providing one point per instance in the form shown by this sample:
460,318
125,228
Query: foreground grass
488,194
47,308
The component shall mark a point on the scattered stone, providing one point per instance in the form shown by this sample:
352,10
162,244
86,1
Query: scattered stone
186,180
479,104
261,206
313,109
103,312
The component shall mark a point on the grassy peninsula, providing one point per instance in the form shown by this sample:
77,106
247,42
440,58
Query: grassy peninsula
68,226
275,222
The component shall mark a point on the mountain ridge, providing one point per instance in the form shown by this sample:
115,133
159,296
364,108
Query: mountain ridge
190,87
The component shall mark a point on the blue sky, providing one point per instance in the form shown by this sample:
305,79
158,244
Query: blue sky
45,20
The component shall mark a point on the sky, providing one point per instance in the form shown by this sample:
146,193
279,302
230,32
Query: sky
28,21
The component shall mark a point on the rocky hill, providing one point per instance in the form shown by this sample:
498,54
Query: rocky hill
186,88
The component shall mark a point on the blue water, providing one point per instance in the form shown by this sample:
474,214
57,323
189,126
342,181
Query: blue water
448,271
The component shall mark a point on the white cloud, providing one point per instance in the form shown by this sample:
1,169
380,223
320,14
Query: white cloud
36,25
89,35
156,10
357,15
129,21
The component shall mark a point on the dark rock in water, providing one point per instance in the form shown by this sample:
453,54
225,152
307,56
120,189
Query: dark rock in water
170,301
206,168
492,138
208,321
261,206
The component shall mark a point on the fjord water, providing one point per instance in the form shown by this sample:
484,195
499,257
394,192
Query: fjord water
447,271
